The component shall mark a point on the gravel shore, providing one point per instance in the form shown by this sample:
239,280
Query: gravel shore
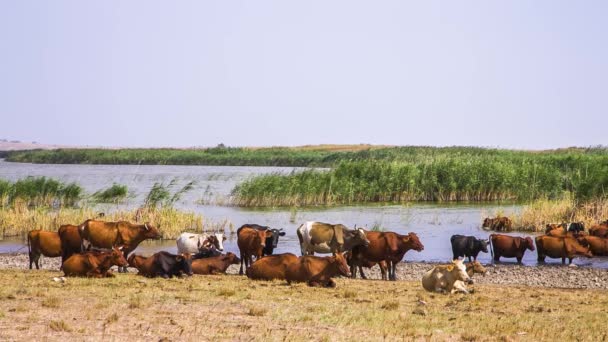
555,276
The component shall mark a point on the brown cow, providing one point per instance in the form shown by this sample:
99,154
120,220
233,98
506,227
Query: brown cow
70,241
387,246
42,242
600,230
251,243
94,264
597,245
498,223
271,267
215,265
144,265
103,234
362,262
317,271
509,246
560,247
475,267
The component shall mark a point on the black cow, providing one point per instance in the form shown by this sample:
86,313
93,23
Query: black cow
206,252
271,242
468,246
169,265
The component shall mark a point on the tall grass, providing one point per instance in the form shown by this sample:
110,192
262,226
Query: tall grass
115,194
434,178
39,191
160,195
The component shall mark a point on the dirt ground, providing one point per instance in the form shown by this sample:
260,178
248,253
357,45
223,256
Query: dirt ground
33,306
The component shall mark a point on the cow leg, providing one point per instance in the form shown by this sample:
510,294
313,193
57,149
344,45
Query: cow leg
519,260
394,271
330,283
353,270
363,276
563,260
383,270
496,257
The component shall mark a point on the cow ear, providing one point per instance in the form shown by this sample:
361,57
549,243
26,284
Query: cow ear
339,234
180,257
281,233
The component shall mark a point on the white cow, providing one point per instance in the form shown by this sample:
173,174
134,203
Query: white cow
447,278
193,243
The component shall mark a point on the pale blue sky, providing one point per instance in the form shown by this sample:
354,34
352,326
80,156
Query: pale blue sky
519,74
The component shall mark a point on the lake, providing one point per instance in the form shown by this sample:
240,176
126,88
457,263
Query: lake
434,223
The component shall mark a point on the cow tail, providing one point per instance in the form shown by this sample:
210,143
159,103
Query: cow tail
29,245
491,248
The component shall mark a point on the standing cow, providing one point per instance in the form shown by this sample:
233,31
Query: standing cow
40,242
271,242
509,246
329,238
251,244
467,246
103,234
560,247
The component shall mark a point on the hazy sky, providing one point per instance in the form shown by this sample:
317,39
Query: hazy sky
521,74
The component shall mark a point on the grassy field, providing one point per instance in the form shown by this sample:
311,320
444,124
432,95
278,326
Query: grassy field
129,307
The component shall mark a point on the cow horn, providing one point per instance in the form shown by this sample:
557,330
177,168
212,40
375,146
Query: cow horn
146,226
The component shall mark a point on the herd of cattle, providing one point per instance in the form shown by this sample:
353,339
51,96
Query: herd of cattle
93,247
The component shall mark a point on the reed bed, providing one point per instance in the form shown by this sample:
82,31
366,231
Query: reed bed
434,178
117,193
39,191
18,220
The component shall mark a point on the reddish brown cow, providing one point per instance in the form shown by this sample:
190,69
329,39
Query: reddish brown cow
271,267
600,230
560,247
94,264
70,241
40,242
144,265
498,223
251,243
362,262
509,246
317,271
597,245
103,234
214,265
387,246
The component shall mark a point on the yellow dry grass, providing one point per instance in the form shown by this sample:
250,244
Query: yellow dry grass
129,307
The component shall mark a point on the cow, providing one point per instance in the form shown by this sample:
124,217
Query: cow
271,242
573,229
498,223
467,246
144,265
560,247
329,238
206,252
361,262
40,242
317,271
600,230
597,245
271,267
95,264
103,234
215,265
193,243
385,246
70,241
251,243
472,268
167,265
442,278
509,246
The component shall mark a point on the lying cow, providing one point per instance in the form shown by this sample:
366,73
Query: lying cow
271,267
442,278
499,223
103,234
40,242
271,242
214,265
251,244
467,246
384,246
193,243
317,271
70,241
167,265
472,268
95,264
509,246
560,247
144,265
329,238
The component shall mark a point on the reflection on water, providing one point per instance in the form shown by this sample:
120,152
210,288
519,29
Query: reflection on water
434,223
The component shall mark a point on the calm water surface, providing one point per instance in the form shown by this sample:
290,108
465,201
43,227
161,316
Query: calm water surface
434,223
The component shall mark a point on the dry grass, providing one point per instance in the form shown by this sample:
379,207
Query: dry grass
535,216
171,222
275,311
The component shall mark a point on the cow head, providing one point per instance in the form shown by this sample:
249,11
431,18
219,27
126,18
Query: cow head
150,231
361,236
118,257
220,238
275,236
487,222
184,263
413,242
340,261
232,258
475,267
263,235
459,270
210,241
529,243
483,245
